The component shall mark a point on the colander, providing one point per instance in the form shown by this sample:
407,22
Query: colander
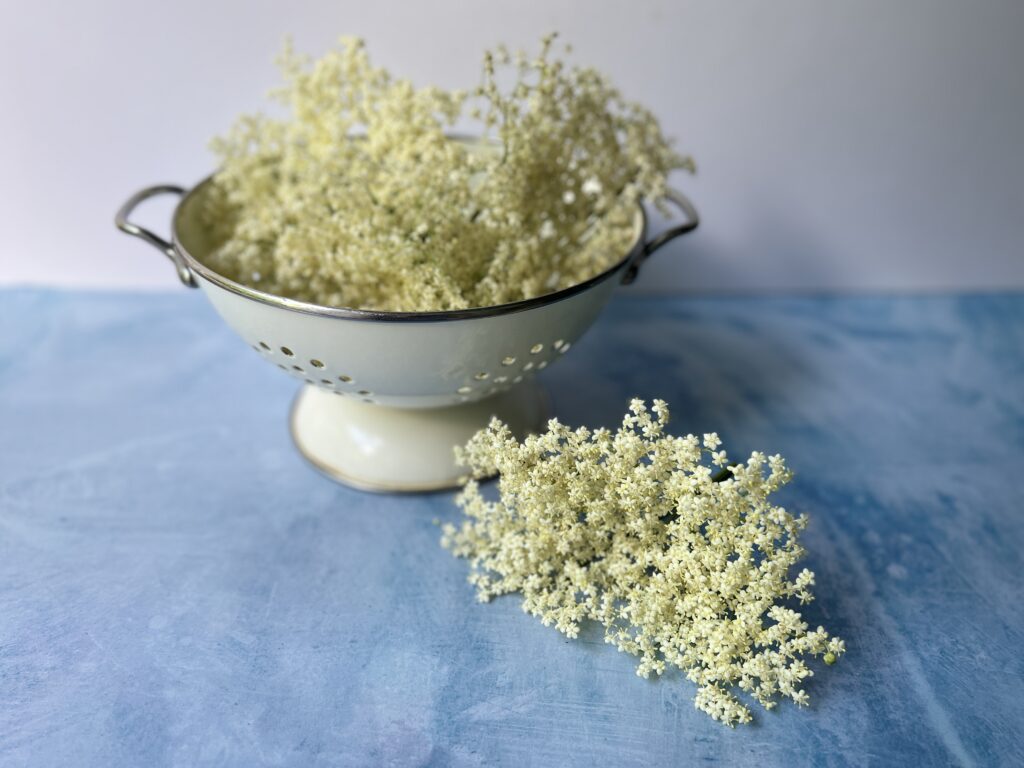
387,395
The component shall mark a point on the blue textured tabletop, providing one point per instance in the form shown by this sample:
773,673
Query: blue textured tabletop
178,588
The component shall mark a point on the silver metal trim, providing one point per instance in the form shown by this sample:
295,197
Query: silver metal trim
189,267
691,223
122,223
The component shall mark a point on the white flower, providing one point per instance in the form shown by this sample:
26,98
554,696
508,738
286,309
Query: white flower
322,204
632,531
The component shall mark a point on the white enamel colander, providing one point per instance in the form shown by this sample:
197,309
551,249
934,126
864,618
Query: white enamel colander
387,395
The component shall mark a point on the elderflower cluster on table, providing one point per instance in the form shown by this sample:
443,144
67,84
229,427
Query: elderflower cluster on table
682,565
360,197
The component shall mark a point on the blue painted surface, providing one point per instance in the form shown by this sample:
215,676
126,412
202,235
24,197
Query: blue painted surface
178,588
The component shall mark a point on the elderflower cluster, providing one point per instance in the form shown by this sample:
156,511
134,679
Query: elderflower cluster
683,565
360,197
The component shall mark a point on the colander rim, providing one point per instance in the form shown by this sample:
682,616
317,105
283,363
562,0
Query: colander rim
350,313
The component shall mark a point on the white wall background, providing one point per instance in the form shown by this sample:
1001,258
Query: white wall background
854,145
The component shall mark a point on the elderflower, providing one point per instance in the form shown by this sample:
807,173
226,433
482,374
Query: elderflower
359,197
681,566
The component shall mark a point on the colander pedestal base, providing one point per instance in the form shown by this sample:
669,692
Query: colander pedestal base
380,448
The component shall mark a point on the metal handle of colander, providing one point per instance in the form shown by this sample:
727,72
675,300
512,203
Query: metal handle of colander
121,220
690,224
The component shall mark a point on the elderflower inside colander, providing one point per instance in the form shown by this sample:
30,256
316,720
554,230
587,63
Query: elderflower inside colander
387,395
